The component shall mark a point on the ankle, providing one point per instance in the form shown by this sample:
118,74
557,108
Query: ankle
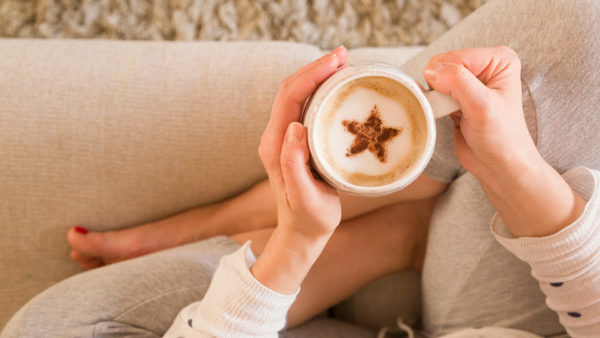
244,213
133,242
155,236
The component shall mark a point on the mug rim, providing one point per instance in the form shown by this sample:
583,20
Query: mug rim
327,89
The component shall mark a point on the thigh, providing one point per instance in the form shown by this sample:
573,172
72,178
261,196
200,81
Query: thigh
361,250
134,298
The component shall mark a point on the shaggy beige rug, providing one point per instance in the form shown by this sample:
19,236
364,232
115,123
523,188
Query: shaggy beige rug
326,23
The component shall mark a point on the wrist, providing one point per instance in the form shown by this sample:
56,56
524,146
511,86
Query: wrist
509,179
304,248
304,236
533,199
287,258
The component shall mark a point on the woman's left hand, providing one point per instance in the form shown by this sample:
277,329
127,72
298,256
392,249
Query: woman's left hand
308,210
305,205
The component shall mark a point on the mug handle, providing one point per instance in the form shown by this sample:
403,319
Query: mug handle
441,104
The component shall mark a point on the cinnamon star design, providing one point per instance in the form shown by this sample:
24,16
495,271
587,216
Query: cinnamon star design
371,135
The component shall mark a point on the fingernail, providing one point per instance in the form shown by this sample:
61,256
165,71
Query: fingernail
338,49
81,230
295,133
430,74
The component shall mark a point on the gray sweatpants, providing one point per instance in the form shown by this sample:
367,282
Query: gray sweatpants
138,298
468,279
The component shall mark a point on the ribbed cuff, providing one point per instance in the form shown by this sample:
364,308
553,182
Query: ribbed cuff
573,250
237,305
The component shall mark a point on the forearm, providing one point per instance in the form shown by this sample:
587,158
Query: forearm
567,263
532,198
286,260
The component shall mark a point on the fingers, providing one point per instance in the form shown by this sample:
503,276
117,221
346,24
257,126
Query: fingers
85,261
473,76
485,63
299,182
455,80
341,53
297,88
288,104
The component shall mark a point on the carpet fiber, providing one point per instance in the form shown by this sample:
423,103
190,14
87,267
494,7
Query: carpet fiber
325,23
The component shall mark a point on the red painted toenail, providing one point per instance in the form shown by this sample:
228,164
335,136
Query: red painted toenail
81,230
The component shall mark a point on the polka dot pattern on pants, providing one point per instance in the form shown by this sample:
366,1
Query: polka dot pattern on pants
574,314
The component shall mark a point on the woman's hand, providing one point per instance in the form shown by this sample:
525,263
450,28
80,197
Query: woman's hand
491,140
305,205
308,210
491,136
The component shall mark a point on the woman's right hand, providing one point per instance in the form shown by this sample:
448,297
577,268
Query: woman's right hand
492,141
491,136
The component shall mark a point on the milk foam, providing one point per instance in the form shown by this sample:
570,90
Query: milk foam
398,109
358,107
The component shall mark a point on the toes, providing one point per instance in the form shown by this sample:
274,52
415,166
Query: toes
109,247
90,244
85,261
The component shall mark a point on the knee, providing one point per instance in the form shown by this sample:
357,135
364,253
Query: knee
85,305
138,297
57,312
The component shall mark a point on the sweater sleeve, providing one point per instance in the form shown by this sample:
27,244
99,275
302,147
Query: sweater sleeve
235,304
567,263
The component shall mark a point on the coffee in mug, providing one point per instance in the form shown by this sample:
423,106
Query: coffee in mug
371,130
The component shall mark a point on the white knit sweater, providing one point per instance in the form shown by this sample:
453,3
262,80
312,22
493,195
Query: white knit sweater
567,265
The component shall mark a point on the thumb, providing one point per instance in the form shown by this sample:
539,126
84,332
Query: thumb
299,182
457,81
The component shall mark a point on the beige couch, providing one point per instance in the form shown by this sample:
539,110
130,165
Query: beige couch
111,134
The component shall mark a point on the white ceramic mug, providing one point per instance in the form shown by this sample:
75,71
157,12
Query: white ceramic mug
433,104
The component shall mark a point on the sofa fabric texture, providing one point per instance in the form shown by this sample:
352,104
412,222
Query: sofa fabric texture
109,134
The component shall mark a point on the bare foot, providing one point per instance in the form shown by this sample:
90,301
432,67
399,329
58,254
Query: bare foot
94,249
249,211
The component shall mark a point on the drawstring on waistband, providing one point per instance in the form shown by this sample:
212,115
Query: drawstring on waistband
383,332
